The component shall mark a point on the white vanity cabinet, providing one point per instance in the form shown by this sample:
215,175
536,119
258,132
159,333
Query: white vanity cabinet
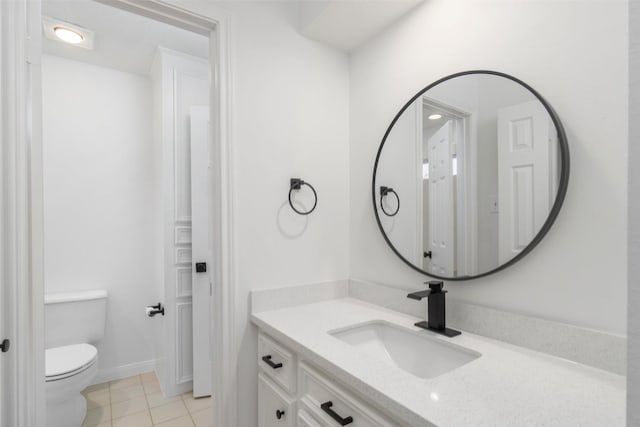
332,404
292,392
306,420
276,384
275,408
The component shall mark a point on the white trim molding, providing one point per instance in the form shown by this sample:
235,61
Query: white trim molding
21,213
633,280
124,371
217,23
224,338
20,40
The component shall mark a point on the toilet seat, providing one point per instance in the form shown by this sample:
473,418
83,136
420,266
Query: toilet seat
67,361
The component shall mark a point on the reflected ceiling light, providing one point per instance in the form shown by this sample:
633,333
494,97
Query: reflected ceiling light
435,117
68,35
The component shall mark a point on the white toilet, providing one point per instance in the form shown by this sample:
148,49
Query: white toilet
73,321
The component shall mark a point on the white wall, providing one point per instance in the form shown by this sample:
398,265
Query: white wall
633,359
291,118
98,197
401,147
579,64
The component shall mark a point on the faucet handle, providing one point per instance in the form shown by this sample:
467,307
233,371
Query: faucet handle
435,286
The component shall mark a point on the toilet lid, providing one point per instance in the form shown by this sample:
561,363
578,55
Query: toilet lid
68,359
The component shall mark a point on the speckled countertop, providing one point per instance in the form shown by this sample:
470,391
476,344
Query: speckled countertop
506,386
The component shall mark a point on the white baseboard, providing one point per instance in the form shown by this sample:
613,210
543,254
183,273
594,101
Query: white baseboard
124,371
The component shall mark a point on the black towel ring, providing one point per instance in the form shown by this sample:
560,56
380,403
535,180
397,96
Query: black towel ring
383,192
296,184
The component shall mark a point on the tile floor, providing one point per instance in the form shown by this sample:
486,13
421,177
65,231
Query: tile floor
138,402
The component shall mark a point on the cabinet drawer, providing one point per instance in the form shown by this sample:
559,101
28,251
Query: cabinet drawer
277,362
306,420
332,404
275,408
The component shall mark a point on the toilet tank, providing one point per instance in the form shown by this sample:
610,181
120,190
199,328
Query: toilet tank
74,317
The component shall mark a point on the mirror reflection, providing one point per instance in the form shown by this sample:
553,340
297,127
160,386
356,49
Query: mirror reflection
470,171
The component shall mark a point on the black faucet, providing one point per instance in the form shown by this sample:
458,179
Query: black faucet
436,317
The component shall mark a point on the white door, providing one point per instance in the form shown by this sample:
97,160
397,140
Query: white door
441,201
201,250
524,175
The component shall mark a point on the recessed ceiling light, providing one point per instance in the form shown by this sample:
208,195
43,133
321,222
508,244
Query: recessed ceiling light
435,117
73,34
68,35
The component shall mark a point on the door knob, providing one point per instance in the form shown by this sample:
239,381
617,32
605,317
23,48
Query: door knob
5,345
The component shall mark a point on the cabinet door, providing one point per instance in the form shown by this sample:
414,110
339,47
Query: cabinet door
332,404
278,363
306,420
275,408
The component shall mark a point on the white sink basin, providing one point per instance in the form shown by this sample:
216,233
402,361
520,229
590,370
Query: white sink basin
415,352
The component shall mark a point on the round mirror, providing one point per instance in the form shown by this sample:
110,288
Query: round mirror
470,175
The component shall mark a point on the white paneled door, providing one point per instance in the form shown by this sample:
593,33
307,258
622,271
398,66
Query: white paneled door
202,253
524,176
441,201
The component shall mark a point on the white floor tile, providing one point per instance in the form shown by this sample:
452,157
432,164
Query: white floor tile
126,393
125,382
202,418
97,416
96,399
151,387
157,399
177,422
148,377
128,407
167,412
96,387
195,405
140,419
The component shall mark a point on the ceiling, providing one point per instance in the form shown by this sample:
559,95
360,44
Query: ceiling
128,42
123,40
346,24
427,123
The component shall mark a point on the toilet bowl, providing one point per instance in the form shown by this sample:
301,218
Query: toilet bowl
68,370
74,320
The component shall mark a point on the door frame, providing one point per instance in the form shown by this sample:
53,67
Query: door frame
420,249
466,184
22,264
20,110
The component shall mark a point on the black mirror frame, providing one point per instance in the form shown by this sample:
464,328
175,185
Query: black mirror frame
562,188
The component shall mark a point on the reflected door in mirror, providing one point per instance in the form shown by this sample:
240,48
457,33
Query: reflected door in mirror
526,174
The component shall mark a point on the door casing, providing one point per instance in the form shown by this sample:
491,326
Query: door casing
22,205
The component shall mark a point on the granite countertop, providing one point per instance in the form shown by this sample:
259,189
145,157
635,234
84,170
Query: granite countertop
507,385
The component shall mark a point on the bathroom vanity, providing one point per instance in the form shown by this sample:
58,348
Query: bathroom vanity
343,361
354,354
292,392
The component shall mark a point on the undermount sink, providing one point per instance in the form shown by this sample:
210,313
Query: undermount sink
412,351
